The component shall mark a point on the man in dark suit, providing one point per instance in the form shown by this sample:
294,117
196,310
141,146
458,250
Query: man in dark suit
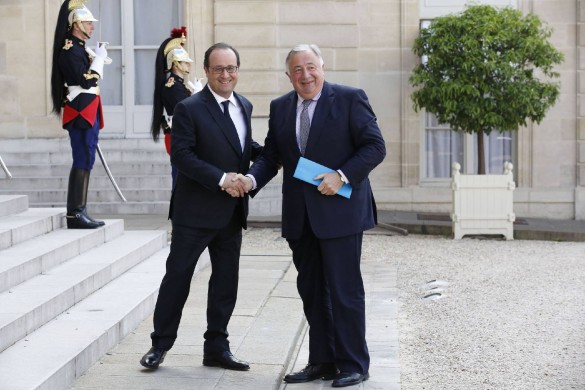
211,143
323,229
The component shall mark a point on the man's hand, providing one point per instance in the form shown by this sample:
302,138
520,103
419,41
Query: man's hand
331,183
248,183
233,186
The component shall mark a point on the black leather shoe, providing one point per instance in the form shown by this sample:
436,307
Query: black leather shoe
325,371
225,360
344,379
99,223
78,220
153,358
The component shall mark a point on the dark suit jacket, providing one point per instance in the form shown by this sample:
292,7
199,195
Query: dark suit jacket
204,147
344,135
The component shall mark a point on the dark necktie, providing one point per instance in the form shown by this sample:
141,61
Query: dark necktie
305,125
226,110
226,113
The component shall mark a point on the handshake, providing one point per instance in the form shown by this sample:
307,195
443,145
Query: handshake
237,185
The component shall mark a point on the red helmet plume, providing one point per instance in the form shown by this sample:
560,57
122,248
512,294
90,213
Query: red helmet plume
179,32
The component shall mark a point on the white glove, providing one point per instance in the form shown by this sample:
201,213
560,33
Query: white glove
100,50
97,64
194,87
198,85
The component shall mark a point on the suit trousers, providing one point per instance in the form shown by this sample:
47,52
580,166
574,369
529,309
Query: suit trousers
186,248
330,285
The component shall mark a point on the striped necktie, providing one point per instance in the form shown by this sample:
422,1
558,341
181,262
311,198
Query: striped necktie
305,125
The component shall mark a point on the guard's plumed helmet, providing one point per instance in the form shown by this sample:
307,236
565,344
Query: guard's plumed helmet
174,50
78,12
170,51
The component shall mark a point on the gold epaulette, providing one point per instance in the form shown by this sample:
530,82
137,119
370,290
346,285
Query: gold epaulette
89,75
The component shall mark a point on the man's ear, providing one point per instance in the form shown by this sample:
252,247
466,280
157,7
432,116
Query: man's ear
288,75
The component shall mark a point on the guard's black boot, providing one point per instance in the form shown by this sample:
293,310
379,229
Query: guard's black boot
76,196
85,187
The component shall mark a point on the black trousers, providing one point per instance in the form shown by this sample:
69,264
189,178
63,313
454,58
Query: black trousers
330,285
186,247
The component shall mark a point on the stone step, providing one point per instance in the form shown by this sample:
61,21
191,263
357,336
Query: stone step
54,196
59,352
31,304
62,145
118,208
95,182
140,207
267,203
12,204
28,259
118,169
59,157
19,227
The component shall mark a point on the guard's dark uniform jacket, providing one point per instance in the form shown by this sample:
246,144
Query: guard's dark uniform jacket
81,111
174,91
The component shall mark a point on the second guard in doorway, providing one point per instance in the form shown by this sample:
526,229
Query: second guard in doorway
171,85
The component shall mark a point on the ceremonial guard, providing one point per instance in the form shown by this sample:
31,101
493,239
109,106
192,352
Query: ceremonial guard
171,85
76,72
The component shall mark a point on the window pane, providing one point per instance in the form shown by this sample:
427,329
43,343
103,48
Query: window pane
153,22
432,121
498,150
144,70
108,26
111,85
443,147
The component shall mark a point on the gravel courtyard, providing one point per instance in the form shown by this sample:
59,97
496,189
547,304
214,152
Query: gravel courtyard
497,314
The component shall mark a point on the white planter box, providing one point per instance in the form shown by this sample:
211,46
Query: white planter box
483,204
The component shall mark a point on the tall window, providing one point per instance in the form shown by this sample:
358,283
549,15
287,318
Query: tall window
147,38
442,147
134,30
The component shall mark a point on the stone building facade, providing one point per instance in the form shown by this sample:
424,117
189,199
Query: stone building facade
365,43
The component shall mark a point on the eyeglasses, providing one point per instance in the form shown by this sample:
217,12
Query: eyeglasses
219,69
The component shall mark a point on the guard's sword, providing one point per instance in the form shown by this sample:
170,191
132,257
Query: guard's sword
105,164
5,168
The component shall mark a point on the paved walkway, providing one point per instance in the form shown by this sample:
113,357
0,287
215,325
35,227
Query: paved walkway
267,329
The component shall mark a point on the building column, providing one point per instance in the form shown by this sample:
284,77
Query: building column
580,188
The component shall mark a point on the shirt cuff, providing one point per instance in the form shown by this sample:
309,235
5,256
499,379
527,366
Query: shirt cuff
253,181
222,180
345,180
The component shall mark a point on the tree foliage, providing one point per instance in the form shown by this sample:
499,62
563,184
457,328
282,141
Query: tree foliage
486,69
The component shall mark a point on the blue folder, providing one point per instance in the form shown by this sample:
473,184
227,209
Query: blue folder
307,170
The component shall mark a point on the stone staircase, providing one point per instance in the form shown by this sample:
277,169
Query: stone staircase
68,296
40,170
